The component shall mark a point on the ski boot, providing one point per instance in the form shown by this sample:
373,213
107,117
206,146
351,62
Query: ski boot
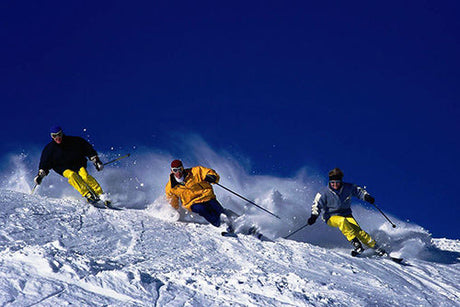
230,230
230,214
230,227
95,201
253,231
358,247
92,199
379,251
228,218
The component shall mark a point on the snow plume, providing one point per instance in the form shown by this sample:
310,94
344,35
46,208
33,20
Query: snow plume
16,176
138,182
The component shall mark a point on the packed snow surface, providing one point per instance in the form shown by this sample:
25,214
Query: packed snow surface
56,250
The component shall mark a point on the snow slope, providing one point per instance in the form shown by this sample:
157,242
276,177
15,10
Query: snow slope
60,251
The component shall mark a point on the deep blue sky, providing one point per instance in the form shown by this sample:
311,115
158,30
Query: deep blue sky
371,88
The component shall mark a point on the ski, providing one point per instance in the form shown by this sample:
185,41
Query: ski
395,259
99,205
110,206
387,256
229,234
259,236
105,205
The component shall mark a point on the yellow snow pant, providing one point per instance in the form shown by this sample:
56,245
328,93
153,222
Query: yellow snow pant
350,229
82,181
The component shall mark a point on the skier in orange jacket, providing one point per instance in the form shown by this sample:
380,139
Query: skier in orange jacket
192,187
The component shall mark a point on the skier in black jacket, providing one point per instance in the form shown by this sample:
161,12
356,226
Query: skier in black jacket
67,156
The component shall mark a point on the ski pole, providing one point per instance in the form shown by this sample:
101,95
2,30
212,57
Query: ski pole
394,226
248,200
296,231
33,189
119,158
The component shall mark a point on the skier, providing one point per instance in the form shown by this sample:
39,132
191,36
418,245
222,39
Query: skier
67,156
192,187
335,201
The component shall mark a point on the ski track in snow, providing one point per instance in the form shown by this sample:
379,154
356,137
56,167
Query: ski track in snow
63,251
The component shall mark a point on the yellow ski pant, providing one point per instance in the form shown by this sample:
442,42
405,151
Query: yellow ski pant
82,181
350,229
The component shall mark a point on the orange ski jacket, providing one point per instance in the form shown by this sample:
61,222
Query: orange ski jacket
193,190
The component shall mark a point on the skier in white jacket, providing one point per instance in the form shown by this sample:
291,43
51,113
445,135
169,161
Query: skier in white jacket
335,201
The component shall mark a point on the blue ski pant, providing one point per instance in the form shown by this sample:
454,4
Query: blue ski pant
210,210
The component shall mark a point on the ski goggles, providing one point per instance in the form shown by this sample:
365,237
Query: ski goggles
177,169
57,134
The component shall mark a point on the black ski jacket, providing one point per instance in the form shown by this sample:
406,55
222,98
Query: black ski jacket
70,154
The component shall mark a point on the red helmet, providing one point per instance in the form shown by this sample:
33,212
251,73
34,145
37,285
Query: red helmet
176,163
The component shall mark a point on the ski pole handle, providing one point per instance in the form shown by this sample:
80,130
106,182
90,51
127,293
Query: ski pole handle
119,158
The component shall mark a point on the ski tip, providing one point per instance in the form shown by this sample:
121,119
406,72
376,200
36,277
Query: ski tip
228,234
105,205
397,260
115,208
110,206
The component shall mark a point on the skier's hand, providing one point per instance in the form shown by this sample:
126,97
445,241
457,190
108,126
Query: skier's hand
97,163
210,178
41,174
369,199
312,219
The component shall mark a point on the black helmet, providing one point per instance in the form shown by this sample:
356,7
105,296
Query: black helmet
336,174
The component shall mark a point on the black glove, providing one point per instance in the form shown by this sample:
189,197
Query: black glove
97,163
41,174
210,178
312,219
369,199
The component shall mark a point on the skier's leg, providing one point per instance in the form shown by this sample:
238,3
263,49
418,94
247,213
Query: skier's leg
231,214
215,206
349,230
92,183
204,210
226,216
76,181
361,234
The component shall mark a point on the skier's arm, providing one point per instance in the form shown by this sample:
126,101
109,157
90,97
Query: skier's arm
41,174
172,199
209,175
44,166
362,194
89,152
315,209
87,149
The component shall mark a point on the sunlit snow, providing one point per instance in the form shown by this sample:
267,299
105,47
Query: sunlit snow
57,250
